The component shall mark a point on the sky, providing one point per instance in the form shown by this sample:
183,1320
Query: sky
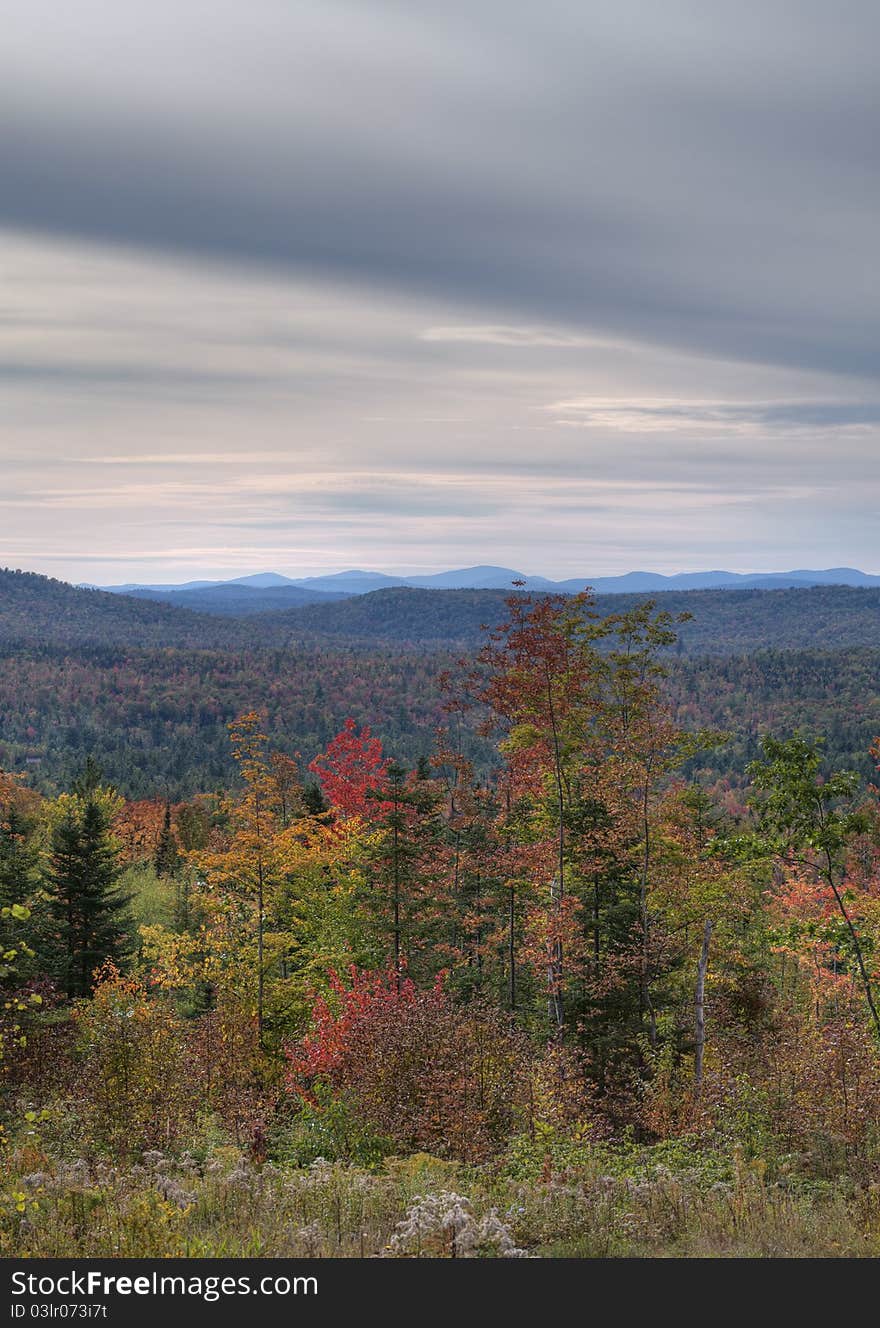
573,287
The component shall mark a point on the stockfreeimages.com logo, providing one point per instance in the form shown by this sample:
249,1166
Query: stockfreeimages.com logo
96,1283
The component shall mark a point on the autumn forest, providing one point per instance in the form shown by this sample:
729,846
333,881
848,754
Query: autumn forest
584,962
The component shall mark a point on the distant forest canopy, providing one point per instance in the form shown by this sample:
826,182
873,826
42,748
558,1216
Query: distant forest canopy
148,689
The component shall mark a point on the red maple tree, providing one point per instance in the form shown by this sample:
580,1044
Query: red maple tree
351,770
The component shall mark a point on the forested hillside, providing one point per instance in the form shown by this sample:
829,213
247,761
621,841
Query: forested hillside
35,608
156,719
834,693
87,672
239,601
722,621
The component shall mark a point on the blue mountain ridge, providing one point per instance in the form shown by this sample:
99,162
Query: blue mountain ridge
359,582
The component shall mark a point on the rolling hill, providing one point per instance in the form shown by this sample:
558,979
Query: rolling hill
40,611
36,609
234,600
724,622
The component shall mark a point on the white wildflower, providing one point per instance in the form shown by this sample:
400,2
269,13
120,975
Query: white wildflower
448,1220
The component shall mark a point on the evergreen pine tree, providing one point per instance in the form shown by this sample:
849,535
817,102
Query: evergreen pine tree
313,799
89,780
403,865
18,883
18,860
167,857
85,904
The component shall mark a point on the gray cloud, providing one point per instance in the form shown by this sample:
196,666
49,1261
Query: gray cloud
573,287
712,417
698,173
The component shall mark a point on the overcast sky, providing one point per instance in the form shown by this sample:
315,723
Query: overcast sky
571,286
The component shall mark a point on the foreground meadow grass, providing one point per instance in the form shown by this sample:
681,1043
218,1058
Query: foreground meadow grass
220,1205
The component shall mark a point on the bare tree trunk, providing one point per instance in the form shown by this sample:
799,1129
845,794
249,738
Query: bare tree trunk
479,938
645,1000
396,905
857,945
700,1007
557,886
596,923
554,973
261,975
511,950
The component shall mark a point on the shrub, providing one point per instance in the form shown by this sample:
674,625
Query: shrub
418,1069
327,1127
133,1059
233,1076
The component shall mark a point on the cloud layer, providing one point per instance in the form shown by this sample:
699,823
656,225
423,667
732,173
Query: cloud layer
573,286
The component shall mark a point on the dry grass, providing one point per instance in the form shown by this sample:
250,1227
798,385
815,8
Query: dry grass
223,1206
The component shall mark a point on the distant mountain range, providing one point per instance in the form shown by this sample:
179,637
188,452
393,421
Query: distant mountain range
266,592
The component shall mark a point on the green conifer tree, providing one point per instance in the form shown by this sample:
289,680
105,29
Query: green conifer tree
86,907
18,860
167,857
